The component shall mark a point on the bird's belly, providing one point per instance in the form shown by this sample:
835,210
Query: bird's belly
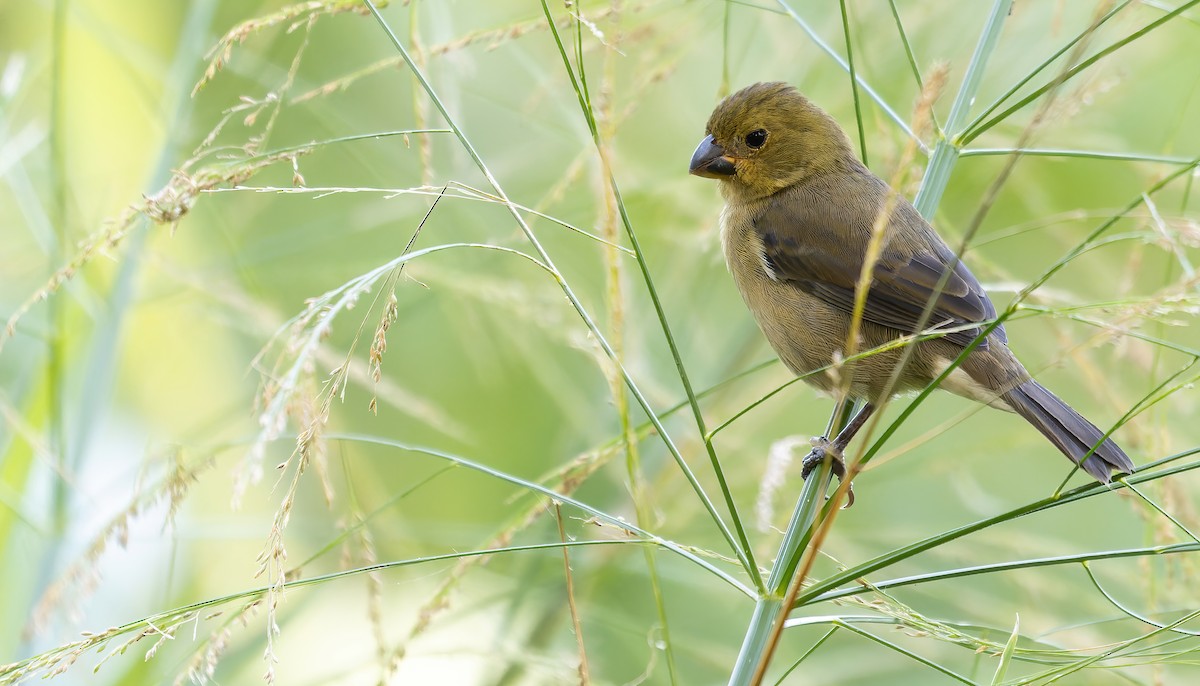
806,333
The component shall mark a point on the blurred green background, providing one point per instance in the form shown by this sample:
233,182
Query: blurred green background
132,398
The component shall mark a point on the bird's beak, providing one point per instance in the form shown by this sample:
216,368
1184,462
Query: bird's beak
710,161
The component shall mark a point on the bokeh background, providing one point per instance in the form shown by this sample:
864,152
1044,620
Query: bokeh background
133,397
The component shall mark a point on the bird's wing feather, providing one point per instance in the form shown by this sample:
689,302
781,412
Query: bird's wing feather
815,257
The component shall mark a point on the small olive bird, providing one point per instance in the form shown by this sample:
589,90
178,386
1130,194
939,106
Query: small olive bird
799,215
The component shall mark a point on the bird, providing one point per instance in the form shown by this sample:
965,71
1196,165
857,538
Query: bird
800,210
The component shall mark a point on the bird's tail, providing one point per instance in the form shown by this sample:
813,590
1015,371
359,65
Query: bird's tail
1068,430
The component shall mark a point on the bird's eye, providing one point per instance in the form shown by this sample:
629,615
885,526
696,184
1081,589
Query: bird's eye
756,138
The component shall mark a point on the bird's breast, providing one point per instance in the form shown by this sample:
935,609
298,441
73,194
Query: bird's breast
803,329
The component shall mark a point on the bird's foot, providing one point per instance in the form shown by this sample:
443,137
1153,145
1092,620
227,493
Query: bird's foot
822,448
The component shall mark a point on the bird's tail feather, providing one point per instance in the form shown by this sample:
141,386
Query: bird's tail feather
1068,430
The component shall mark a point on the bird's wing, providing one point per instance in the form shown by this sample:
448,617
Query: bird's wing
815,257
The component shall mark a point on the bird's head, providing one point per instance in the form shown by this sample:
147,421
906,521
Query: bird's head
767,137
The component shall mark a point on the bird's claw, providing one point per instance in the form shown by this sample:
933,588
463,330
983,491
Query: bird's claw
823,447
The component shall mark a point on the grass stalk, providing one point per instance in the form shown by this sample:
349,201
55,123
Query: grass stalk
946,150
904,651
102,363
56,350
600,515
858,115
740,547
614,295
871,92
101,356
769,609
972,132
56,342
1081,154
804,655
823,590
576,624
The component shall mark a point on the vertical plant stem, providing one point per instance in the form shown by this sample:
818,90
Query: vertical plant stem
725,25
606,123
908,52
757,645
945,152
584,677
55,344
975,131
102,358
816,39
420,105
101,353
979,118
862,132
56,358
